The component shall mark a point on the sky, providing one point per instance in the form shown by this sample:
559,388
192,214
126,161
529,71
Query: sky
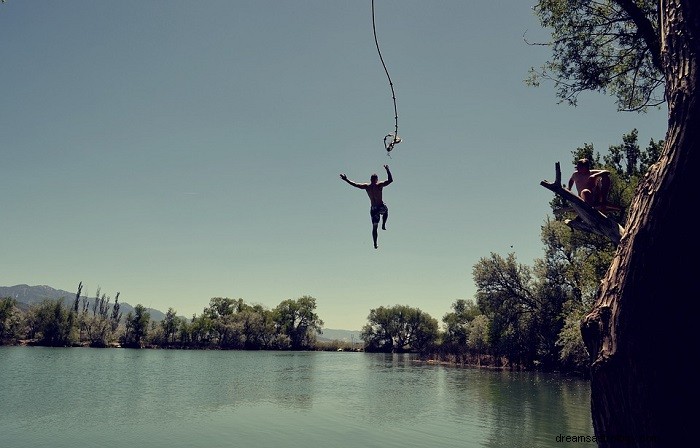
177,151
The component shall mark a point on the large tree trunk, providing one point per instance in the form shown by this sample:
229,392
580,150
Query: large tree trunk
639,332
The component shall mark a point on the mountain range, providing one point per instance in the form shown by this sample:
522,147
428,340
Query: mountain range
27,295
31,295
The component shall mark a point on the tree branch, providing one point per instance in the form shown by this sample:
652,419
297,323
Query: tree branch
589,219
646,30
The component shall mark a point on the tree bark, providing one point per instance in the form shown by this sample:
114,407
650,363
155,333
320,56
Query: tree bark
638,333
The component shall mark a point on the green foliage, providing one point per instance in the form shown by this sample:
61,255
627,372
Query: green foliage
573,354
136,327
116,315
226,330
400,328
573,263
258,327
170,327
458,322
11,321
297,320
224,324
507,295
522,308
228,324
610,46
478,337
201,331
52,323
629,163
99,324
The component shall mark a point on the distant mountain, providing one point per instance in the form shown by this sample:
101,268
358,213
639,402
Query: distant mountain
30,295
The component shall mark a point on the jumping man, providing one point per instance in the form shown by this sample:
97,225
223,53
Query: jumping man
377,206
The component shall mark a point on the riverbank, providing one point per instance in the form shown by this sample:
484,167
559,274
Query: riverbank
488,362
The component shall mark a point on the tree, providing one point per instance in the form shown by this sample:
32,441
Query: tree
258,327
400,328
101,325
458,322
76,302
641,315
170,326
573,354
297,320
379,333
572,267
10,321
630,161
116,315
201,331
136,327
478,337
508,295
222,312
52,323
610,46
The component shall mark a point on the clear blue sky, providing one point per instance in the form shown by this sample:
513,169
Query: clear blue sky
178,151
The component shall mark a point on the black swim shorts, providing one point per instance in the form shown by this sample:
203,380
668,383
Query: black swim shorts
376,210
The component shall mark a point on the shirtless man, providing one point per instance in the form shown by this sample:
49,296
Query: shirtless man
374,191
592,185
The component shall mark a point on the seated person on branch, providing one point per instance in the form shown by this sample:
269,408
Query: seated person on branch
593,185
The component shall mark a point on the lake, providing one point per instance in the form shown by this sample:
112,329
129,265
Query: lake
82,397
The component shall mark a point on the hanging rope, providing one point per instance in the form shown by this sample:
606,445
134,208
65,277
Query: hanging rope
390,139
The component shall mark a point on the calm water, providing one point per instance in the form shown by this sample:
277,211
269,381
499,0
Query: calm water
80,397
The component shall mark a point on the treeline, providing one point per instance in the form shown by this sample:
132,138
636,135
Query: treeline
224,324
521,317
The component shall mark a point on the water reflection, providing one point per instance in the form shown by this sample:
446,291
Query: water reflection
518,407
62,398
397,389
233,379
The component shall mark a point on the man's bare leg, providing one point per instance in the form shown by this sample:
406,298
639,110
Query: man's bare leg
602,190
374,235
587,196
384,218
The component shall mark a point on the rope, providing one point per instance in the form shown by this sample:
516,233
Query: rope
395,136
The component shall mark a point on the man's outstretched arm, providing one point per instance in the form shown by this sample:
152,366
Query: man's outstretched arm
389,178
354,184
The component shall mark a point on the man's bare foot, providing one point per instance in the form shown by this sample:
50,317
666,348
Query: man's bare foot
376,247
383,227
